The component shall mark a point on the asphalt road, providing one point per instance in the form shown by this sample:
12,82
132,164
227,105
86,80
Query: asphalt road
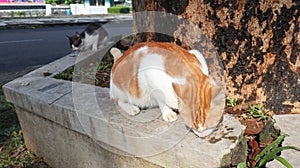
22,48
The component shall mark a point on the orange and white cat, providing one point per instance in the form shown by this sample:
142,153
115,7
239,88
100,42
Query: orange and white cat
155,74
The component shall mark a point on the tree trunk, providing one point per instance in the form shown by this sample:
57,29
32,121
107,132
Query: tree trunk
258,42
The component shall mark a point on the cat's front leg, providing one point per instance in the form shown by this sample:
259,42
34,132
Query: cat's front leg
167,113
129,108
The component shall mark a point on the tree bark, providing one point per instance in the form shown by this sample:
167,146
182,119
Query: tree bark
258,42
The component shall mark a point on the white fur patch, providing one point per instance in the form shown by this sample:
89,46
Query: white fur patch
151,75
200,57
74,48
141,50
181,81
91,41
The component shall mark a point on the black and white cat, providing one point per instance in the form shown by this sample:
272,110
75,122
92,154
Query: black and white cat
92,38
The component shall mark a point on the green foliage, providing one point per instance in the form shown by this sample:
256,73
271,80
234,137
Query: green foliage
65,75
7,115
11,13
271,152
106,67
66,2
231,102
284,162
4,105
21,13
119,9
242,165
257,111
13,152
51,1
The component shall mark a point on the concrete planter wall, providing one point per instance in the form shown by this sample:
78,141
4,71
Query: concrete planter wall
71,124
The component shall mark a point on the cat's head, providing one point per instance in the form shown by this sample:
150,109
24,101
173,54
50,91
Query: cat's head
201,105
75,41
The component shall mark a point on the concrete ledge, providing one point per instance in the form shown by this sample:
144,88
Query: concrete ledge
61,147
72,124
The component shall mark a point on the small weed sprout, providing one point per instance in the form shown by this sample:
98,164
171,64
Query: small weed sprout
257,111
231,102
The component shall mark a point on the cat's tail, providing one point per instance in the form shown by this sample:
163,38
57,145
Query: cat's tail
116,53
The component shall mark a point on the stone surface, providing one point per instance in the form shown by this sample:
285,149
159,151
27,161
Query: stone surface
68,119
288,124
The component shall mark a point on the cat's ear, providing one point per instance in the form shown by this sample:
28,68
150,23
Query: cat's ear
116,53
77,34
69,37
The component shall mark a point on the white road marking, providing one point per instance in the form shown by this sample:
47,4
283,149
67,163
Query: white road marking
20,41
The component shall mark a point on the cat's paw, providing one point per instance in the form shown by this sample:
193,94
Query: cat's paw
133,110
129,108
169,115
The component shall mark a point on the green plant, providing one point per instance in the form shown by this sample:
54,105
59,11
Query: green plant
103,67
21,13
64,75
12,152
257,111
11,13
67,2
271,152
119,9
231,102
242,165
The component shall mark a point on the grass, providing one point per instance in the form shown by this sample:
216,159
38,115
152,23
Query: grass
13,151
